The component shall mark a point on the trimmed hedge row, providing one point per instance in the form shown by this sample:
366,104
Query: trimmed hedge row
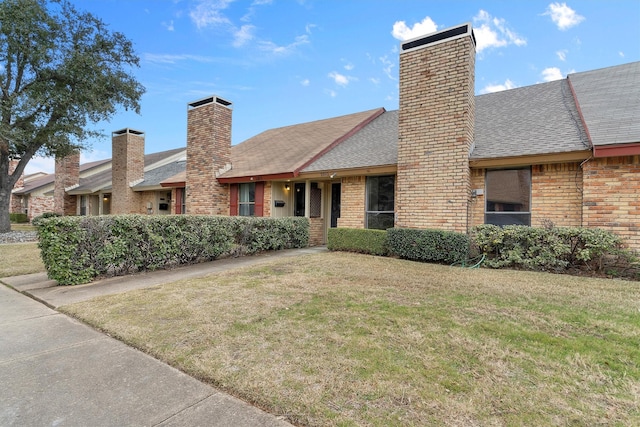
18,218
365,241
555,249
437,246
77,249
419,245
547,249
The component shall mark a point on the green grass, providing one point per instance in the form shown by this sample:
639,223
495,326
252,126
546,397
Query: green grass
345,339
22,227
20,258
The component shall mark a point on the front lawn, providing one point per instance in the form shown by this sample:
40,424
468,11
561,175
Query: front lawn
344,339
20,258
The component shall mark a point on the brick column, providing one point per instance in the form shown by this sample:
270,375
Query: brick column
208,154
67,176
435,130
127,169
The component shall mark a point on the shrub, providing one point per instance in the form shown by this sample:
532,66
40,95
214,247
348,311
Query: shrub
18,218
548,249
77,249
36,220
364,241
437,246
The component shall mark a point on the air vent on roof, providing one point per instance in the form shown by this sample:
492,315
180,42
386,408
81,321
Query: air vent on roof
209,100
128,130
447,34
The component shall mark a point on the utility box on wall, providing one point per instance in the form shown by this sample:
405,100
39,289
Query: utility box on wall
278,203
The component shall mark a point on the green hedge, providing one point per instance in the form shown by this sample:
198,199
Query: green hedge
77,249
18,218
359,240
548,249
438,246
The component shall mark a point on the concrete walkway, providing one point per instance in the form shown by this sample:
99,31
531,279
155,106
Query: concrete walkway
56,371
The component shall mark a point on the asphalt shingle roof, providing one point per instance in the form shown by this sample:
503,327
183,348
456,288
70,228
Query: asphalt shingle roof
374,145
287,149
531,120
609,99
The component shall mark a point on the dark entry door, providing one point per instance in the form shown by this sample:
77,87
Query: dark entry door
335,204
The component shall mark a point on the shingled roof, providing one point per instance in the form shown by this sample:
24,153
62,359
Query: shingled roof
531,120
375,145
287,150
609,99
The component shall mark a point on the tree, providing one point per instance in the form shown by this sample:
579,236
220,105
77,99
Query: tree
60,70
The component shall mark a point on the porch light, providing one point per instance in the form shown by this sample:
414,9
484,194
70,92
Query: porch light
287,187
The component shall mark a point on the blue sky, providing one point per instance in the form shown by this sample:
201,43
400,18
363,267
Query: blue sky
282,62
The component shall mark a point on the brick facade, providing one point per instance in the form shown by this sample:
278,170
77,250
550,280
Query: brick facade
67,175
316,231
208,152
476,207
127,147
556,195
15,202
610,196
352,202
435,132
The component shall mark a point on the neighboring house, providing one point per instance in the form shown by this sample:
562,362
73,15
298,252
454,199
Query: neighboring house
565,152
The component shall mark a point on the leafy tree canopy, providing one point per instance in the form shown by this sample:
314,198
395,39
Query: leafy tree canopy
60,70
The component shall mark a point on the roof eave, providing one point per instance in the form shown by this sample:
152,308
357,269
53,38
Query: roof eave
536,159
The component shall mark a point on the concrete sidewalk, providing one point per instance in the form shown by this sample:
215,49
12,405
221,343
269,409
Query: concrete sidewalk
57,371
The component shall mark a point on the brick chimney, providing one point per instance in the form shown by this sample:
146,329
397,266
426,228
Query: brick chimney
435,134
67,177
208,155
15,203
127,170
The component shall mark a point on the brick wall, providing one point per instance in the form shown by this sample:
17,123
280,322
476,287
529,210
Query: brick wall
208,152
67,174
316,231
15,202
611,188
435,133
127,147
352,202
39,204
268,203
556,194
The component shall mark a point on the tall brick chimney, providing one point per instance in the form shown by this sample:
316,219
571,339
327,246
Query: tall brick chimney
15,203
435,134
208,155
67,176
127,169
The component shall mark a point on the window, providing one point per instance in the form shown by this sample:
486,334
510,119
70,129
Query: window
83,205
508,196
380,202
247,199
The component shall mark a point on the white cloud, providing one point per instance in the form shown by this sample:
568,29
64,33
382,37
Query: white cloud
621,54
563,16
271,47
339,79
309,27
493,32
331,93
40,164
550,74
562,54
374,80
387,66
305,82
402,32
209,13
169,26
243,35
508,84
349,66
172,59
